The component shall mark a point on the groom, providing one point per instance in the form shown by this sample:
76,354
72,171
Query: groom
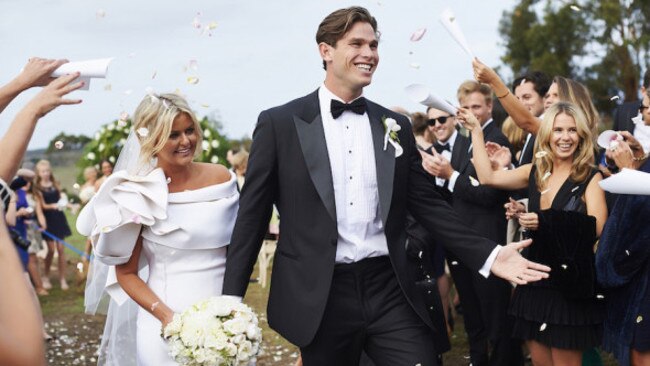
341,282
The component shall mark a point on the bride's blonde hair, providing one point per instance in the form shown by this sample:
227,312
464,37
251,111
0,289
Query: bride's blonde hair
153,120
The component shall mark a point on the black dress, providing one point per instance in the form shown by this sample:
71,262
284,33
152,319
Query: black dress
57,224
566,310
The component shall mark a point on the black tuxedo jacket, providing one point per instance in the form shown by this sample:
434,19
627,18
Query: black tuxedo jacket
481,207
289,166
623,115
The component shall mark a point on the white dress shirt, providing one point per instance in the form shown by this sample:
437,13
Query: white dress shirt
352,159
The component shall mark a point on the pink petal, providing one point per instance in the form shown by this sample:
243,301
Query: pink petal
418,34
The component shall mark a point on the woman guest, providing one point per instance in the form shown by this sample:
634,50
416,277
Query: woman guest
623,261
559,317
48,194
86,192
179,221
106,169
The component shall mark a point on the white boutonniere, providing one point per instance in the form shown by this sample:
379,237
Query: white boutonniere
391,127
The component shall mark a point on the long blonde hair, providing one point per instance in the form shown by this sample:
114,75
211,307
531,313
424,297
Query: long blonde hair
583,157
155,114
38,181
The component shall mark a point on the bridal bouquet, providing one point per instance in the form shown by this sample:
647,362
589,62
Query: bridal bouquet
214,332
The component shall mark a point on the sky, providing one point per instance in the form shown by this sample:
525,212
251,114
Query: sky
259,54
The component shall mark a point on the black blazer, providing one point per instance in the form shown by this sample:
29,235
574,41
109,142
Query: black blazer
481,207
289,166
623,115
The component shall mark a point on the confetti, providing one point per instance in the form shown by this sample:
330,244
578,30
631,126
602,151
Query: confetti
212,25
415,65
196,22
545,191
454,263
192,80
599,296
474,182
418,34
76,186
639,319
58,145
205,105
143,132
101,13
128,92
108,87
154,75
523,81
80,267
575,8
540,154
627,252
124,116
564,266
546,176
193,64
616,97
420,254
542,327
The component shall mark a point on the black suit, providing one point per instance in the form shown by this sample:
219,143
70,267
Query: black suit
289,166
623,115
485,301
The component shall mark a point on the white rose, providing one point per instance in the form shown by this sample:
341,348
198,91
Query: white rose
253,332
235,326
97,135
90,156
215,144
216,339
238,338
205,145
174,327
221,307
245,351
231,350
206,133
392,125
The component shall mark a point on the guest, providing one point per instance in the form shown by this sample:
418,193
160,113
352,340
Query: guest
559,317
107,169
35,224
423,137
86,192
239,165
48,194
623,261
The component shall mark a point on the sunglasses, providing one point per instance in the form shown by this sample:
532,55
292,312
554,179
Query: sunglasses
642,108
441,120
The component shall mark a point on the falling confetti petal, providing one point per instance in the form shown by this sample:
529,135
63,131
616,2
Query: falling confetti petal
564,266
124,116
418,34
420,254
639,319
523,81
205,105
108,87
212,25
80,267
193,64
454,263
196,23
542,327
599,296
474,182
100,13
58,145
154,74
575,8
76,186
169,180
627,252
192,80
545,191
415,65
541,154
128,92
616,97
546,175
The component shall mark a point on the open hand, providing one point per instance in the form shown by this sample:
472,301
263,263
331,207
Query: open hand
37,72
511,266
500,156
52,95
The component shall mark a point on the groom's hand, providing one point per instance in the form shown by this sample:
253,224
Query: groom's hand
511,266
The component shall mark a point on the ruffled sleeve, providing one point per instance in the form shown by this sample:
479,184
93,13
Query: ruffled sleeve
114,217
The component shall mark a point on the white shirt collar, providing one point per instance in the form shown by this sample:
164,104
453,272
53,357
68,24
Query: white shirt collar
326,96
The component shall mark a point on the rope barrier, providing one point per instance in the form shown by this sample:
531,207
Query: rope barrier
67,245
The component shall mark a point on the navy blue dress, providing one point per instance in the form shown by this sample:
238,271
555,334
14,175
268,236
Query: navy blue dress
57,224
20,227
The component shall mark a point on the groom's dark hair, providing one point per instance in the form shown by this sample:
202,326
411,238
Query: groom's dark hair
335,25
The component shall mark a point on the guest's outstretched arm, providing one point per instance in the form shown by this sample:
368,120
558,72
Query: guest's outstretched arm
519,113
36,72
14,143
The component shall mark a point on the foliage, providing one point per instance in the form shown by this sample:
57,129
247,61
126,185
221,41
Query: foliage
602,43
111,137
69,142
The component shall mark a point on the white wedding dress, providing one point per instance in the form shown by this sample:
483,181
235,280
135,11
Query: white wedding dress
185,236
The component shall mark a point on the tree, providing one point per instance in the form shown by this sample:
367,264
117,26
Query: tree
602,43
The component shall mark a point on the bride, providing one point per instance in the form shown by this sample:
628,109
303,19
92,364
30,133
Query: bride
160,227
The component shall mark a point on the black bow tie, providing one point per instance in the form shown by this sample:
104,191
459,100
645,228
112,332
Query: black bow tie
440,147
358,106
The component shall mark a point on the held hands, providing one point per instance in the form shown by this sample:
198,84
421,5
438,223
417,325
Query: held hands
513,209
468,119
500,156
436,165
511,266
483,73
529,220
37,72
52,95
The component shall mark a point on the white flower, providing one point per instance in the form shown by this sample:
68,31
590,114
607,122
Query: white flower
101,147
143,132
391,128
110,127
205,145
214,159
97,135
214,144
90,156
207,133
231,350
174,327
245,350
253,332
236,325
392,125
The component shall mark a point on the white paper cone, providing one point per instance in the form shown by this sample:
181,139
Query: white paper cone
448,20
420,94
90,68
606,137
628,181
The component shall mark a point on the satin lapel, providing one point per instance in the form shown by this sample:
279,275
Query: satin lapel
314,150
384,162
463,154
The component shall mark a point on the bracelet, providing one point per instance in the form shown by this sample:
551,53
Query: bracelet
640,158
504,95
